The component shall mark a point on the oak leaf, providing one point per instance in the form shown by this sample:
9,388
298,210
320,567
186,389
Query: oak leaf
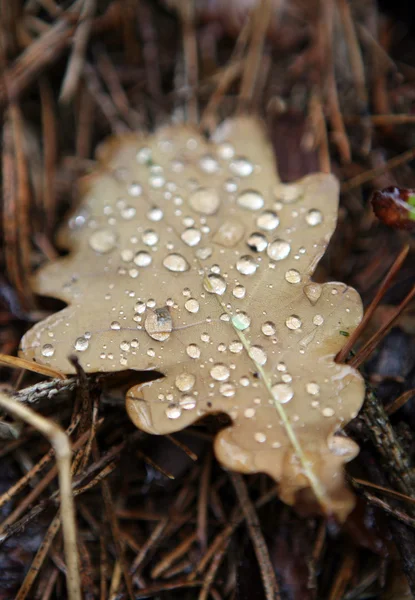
190,257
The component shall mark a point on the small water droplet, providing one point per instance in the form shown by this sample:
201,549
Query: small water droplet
328,412
241,166
115,325
260,437
81,344
278,249
128,213
229,234
258,354
185,381
193,351
187,402
230,186
282,392
246,265
314,217
125,346
220,372
241,321
239,291
127,255
135,189
140,307
205,201
203,253
226,151
173,411
103,240
268,328
313,292
48,350
318,320
227,390
192,305
176,263
191,236
155,214
159,324
156,180
143,156
288,193
313,388
235,347
293,322
208,164
268,220
150,237
257,242
249,413
292,276
142,259
215,284
250,200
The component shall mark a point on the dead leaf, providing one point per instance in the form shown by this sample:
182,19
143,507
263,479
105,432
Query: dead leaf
190,257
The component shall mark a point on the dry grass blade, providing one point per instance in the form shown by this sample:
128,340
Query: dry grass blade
21,363
61,446
400,401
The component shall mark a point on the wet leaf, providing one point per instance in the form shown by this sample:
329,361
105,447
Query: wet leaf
191,258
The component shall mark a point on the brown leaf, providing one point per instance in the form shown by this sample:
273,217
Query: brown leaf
190,257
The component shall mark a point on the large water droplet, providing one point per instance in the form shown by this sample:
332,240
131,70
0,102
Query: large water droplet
278,249
268,328
176,263
155,214
246,265
187,402
185,381
282,392
229,234
258,354
236,347
205,201
150,237
48,350
314,217
193,351
159,324
142,259
192,305
241,321
103,240
288,192
268,220
215,284
293,322
208,164
250,200
241,166
313,388
292,276
313,292
226,151
81,344
173,411
191,236
257,242
219,372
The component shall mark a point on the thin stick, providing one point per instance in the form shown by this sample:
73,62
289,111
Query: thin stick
367,176
371,344
187,14
61,444
261,19
383,288
202,503
267,571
